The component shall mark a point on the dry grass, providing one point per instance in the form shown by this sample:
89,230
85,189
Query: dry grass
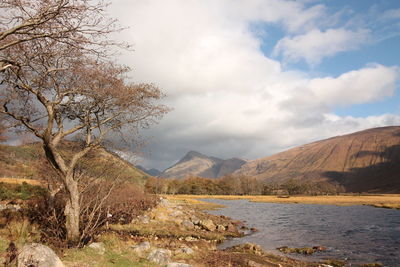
384,201
9,180
192,201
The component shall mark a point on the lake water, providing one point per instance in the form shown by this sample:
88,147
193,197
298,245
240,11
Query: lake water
358,234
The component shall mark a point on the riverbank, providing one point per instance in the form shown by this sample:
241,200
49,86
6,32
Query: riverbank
380,201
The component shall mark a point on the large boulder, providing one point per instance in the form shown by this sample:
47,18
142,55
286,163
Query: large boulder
160,256
38,255
207,224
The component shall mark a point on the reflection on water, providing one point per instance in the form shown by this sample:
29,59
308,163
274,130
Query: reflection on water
358,234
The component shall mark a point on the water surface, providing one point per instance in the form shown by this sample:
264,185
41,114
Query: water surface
358,234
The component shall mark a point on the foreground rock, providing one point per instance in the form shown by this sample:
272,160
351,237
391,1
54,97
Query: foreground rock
208,225
160,256
142,248
38,255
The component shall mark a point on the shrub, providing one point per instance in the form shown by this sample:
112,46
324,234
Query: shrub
99,199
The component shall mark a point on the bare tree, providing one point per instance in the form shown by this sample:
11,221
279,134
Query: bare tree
80,24
57,86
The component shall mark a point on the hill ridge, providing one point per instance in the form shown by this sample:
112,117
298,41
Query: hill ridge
367,160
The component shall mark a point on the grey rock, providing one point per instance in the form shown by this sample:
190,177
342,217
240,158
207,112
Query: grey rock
143,245
160,256
188,224
178,264
141,248
99,247
38,255
207,224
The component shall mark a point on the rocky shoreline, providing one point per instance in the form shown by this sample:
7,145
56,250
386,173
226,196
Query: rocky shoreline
191,239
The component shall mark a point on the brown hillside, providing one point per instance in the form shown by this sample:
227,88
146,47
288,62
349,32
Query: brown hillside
28,161
366,161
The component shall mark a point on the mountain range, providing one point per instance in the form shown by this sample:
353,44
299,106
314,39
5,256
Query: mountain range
197,164
365,161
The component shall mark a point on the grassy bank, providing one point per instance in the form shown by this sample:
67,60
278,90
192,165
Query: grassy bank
381,201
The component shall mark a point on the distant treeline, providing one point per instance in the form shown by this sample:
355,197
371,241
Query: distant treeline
238,185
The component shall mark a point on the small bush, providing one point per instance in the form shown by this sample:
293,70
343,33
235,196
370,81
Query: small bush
127,201
48,214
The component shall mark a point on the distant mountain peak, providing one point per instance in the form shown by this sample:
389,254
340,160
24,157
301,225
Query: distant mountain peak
197,164
193,154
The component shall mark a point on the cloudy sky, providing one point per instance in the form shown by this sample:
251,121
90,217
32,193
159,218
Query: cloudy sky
249,78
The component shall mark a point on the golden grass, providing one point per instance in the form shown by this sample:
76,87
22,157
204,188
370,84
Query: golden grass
9,180
193,202
385,200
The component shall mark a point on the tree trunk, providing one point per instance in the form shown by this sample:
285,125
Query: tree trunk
72,211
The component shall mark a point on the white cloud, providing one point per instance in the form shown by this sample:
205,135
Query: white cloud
356,87
391,14
315,45
229,99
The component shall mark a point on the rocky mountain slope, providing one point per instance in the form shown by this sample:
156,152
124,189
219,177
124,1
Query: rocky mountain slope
197,164
366,161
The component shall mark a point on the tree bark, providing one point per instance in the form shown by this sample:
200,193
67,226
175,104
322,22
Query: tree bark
72,210
72,205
